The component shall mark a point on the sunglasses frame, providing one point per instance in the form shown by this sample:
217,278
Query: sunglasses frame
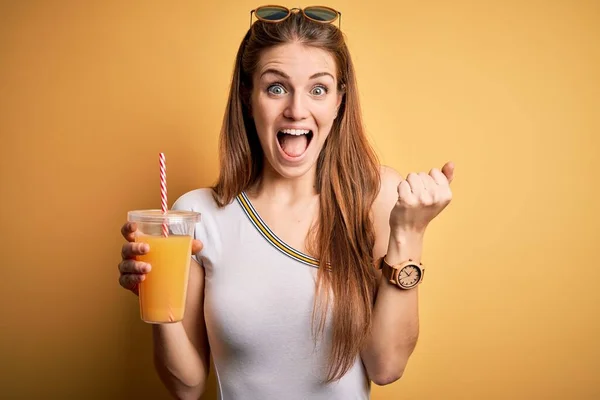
295,9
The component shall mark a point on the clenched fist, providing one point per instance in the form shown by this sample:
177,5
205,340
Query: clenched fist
421,197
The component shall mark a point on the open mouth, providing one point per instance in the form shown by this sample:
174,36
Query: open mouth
294,142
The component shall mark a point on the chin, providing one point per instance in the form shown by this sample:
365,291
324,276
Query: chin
294,171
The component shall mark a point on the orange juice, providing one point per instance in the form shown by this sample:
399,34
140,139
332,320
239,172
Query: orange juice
163,292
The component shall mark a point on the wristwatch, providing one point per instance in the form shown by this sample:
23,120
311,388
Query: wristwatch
406,275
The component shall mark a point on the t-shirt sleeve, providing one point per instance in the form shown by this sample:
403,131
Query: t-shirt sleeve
194,201
207,229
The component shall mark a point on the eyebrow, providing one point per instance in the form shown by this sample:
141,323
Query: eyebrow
286,76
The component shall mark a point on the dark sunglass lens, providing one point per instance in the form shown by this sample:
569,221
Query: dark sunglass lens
272,13
320,14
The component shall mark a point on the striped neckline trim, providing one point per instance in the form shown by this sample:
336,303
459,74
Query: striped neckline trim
271,237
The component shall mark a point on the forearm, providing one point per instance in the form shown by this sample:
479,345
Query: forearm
177,361
395,320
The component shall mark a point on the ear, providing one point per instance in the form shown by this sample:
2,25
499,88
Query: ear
340,97
246,97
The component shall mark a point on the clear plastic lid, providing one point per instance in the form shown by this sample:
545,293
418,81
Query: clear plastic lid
157,216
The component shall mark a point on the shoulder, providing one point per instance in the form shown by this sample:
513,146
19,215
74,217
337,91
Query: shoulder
382,207
195,200
208,230
388,188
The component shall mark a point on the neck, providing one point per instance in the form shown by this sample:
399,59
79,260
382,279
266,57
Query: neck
285,190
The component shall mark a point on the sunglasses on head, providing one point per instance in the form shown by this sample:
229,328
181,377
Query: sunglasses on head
273,14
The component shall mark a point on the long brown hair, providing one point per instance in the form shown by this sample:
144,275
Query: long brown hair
347,182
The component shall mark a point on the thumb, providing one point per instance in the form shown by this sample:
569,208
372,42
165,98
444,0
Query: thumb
197,246
448,171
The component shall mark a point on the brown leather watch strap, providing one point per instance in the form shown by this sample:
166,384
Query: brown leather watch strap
387,270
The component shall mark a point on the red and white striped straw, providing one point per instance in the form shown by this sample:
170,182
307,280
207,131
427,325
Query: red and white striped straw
163,191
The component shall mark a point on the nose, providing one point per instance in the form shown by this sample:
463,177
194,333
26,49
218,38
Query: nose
296,109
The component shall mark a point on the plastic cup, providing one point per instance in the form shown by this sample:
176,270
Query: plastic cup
162,294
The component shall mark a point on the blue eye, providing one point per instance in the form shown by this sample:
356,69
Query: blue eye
276,89
319,90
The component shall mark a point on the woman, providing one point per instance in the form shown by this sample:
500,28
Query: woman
287,295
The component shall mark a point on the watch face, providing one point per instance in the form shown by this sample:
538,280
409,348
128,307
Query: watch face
409,276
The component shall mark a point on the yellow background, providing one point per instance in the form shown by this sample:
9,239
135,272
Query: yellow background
91,91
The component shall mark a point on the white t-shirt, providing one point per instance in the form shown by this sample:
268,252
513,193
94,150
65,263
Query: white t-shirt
259,295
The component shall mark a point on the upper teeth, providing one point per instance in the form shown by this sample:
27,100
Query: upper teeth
295,132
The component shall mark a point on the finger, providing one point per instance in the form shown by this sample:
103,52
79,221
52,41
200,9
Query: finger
134,267
130,250
429,194
404,193
448,170
128,231
416,185
197,246
438,177
131,281
428,183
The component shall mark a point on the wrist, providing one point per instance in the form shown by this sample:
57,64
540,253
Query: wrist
405,236
405,245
